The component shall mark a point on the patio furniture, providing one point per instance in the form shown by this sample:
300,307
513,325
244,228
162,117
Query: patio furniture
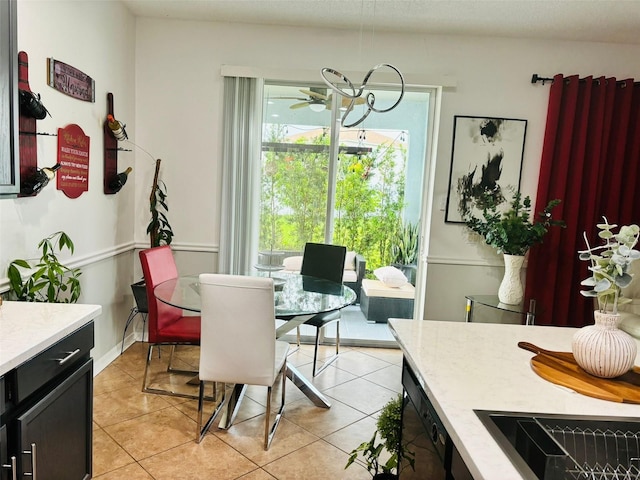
379,302
352,276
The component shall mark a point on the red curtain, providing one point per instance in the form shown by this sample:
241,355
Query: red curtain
589,161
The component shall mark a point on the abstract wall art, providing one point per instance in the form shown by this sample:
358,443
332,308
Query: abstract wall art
486,159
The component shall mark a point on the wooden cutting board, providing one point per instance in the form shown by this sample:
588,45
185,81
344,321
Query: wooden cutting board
561,368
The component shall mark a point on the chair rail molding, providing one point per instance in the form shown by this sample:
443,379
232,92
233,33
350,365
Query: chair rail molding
471,262
185,247
84,260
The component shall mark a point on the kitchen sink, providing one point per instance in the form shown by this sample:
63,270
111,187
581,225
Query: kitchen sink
567,447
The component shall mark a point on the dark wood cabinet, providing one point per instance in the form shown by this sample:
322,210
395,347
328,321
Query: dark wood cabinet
4,458
49,410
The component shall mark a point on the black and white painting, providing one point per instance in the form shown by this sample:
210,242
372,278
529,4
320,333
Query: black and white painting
486,159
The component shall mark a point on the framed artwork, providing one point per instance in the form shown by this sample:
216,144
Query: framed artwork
486,158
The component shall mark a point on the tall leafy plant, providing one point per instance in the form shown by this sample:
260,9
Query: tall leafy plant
404,248
48,280
159,229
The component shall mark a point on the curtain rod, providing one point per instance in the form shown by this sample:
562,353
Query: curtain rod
535,78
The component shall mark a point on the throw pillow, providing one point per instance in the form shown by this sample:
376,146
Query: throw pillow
390,276
350,261
293,264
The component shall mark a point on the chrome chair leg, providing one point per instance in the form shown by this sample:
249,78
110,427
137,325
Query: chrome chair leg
202,431
171,369
315,352
270,432
147,389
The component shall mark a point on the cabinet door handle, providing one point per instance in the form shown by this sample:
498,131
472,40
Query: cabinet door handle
33,462
13,468
70,355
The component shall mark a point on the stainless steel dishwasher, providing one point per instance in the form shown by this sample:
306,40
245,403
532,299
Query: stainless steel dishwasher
422,434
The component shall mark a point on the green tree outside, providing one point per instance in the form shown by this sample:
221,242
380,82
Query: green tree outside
369,198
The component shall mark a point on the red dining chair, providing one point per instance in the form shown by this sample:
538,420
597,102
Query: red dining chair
167,324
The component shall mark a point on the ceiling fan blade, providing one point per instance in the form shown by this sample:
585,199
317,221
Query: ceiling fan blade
345,101
315,94
299,105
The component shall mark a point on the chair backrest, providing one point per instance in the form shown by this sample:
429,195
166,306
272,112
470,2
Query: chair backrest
324,261
238,329
158,265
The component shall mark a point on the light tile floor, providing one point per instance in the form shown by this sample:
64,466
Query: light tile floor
147,436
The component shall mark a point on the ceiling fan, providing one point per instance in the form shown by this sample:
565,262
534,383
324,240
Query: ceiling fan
318,100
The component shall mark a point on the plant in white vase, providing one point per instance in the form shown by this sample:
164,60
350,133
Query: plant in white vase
603,349
609,265
512,233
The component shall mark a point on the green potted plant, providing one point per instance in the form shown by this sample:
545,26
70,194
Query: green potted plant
388,427
48,280
159,229
603,349
512,232
404,249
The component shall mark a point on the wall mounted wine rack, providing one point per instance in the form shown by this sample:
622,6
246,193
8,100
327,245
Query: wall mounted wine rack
110,150
27,127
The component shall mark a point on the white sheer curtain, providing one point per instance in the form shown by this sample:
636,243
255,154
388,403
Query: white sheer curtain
240,174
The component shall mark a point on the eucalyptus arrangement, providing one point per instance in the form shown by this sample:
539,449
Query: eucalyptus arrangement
603,349
48,280
388,426
609,264
512,232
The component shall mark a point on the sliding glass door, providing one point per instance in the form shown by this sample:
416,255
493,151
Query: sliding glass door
350,186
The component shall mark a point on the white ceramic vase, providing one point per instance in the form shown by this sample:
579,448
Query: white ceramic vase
510,291
603,349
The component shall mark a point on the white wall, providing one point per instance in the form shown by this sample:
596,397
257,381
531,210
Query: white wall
179,113
165,77
99,39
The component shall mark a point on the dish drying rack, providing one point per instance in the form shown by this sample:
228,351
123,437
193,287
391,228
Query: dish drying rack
595,454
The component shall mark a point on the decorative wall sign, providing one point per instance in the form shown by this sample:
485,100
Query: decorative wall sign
486,158
70,81
73,154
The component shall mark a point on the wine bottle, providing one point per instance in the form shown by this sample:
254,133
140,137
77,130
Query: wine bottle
36,182
119,180
117,128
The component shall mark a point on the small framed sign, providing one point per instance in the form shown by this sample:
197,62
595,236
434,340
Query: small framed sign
70,81
73,155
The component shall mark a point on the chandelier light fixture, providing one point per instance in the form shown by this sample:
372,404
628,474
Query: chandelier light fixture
334,79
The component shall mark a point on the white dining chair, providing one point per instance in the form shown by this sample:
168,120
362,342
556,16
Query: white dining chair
238,343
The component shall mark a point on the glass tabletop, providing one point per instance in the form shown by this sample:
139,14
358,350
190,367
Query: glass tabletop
295,294
494,302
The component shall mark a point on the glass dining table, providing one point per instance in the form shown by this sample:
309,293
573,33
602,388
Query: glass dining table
297,299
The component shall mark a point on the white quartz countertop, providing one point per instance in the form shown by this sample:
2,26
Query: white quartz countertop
27,328
478,366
